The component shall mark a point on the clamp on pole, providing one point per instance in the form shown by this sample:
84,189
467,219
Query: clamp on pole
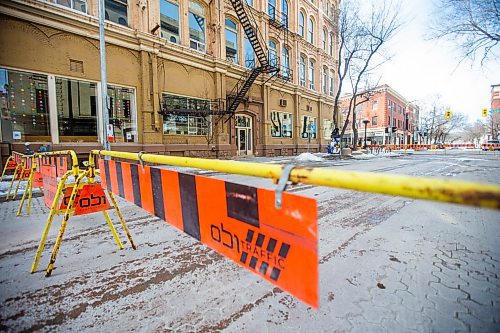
282,183
139,157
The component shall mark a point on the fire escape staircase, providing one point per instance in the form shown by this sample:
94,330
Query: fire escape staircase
259,46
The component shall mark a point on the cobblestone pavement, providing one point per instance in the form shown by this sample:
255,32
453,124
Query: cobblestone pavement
387,264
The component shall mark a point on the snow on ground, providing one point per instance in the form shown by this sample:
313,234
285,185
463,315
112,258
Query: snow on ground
308,157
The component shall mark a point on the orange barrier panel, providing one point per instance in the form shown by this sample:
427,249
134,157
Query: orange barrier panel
238,221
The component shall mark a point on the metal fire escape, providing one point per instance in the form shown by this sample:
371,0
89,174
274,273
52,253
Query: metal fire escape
259,46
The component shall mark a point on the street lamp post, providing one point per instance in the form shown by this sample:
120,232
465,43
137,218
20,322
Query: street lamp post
365,121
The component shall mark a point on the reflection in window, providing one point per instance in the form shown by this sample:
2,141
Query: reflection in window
80,5
281,124
271,9
308,127
302,71
76,110
169,19
284,13
116,11
24,104
122,113
250,2
273,54
301,24
197,26
249,53
285,55
311,74
180,119
327,128
231,41
310,38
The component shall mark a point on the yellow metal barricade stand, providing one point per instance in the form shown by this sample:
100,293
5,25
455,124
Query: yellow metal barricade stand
82,178
19,172
6,167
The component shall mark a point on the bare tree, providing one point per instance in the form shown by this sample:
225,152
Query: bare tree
473,24
474,132
361,46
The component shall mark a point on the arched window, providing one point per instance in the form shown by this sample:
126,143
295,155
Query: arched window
324,39
169,21
310,35
249,53
311,74
325,80
331,44
197,26
273,54
302,22
231,41
302,71
271,9
284,13
331,82
285,62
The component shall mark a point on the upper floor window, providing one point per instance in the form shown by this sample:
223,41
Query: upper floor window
271,9
249,53
250,2
80,5
374,120
325,80
116,11
311,74
324,39
374,105
231,41
169,20
302,23
284,13
197,26
285,55
273,54
310,35
331,82
331,44
302,71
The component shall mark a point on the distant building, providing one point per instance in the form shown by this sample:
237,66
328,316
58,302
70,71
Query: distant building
494,119
385,110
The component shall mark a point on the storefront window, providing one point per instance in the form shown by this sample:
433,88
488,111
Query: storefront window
281,124
24,105
308,127
122,113
76,110
169,19
183,115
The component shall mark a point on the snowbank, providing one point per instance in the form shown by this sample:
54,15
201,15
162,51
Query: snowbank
308,157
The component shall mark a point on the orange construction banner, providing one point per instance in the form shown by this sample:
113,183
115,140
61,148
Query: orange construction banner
238,221
49,180
89,199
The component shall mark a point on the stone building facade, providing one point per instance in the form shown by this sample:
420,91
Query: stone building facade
171,66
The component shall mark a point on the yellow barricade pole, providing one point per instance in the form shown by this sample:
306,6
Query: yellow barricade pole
29,188
12,182
10,158
434,189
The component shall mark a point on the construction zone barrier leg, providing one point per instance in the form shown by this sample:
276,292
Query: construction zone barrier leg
12,182
122,220
7,166
53,212
64,223
113,230
28,189
18,183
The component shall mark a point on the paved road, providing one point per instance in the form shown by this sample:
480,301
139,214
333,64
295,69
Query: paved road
387,264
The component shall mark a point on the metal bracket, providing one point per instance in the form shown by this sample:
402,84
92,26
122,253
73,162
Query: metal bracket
282,183
139,157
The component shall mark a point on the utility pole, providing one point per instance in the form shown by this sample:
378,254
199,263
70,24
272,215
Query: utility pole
104,81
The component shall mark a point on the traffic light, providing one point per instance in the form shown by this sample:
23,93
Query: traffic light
447,115
485,113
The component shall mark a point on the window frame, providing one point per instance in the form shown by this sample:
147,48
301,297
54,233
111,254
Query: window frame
279,115
191,11
234,30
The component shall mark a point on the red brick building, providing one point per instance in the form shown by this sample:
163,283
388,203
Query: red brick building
385,110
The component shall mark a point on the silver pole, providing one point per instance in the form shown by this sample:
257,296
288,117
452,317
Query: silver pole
104,81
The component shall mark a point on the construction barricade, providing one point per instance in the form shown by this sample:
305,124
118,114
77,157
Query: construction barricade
271,233
72,191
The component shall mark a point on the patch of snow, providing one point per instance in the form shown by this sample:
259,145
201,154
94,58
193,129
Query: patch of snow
363,156
308,157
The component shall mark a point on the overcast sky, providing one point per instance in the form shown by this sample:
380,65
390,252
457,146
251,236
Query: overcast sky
422,69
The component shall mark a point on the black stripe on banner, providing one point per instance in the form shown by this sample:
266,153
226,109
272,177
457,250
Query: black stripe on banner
108,176
136,185
189,205
119,179
157,187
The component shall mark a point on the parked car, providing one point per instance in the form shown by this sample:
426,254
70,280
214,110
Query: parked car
494,143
